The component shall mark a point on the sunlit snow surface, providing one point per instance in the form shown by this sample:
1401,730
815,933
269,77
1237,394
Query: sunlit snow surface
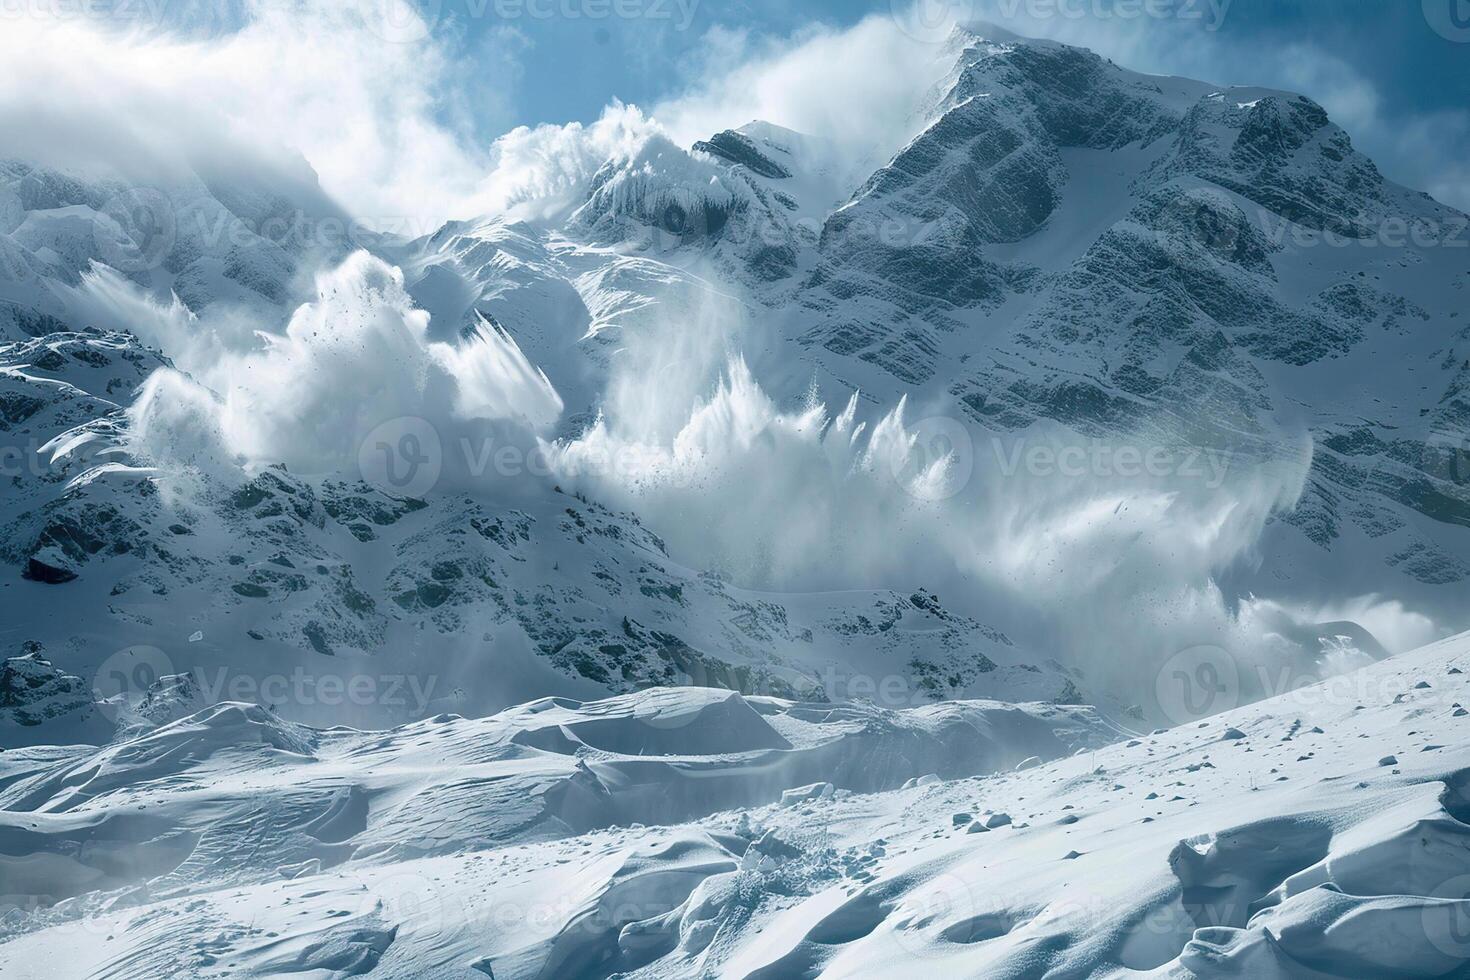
691,833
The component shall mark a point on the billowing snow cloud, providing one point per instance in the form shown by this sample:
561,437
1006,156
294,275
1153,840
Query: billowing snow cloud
320,80
864,88
355,359
1107,565
399,123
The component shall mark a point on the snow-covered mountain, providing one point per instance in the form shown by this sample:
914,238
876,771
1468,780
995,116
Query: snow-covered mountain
748,558
1162,265
1066,253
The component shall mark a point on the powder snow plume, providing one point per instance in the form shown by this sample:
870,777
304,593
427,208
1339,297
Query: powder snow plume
356,357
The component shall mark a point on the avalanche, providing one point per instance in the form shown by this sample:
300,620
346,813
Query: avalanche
969,525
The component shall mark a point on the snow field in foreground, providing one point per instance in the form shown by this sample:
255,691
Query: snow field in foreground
1320,834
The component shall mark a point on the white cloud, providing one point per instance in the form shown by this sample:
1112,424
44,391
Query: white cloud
392,118
548,165
285,402
365,111
863,87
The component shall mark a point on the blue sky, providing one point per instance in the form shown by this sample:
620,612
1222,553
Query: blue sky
1399,85
400,116
570,66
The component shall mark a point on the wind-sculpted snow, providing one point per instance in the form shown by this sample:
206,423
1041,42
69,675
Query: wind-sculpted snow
677,833
188,794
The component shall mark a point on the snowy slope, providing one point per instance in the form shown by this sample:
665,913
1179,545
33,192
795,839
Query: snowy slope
1318,834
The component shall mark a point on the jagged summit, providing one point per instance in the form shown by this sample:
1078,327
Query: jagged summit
739,147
